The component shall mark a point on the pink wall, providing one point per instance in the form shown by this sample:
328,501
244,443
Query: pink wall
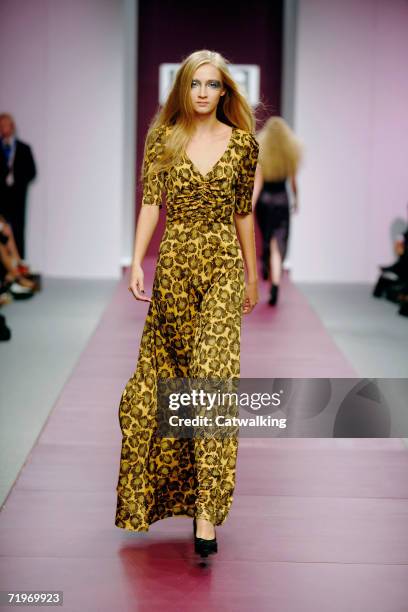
62,76
350,111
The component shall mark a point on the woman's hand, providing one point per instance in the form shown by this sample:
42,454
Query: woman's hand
251,296
136,285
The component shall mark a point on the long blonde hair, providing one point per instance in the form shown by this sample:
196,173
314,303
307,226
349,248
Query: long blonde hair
280,151
233,109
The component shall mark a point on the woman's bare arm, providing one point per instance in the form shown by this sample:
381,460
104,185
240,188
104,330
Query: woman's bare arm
293,184
246,234
146,224
258,184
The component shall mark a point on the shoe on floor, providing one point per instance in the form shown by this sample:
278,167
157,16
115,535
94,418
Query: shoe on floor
19,292
273,298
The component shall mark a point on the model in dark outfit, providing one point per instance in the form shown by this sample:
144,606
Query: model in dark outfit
279,157
272,215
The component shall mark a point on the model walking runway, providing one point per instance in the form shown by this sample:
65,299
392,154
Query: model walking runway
192,329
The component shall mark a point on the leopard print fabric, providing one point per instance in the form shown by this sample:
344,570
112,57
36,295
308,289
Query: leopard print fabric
192,329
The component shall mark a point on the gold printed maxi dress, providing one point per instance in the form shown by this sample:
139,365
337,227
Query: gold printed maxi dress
192,329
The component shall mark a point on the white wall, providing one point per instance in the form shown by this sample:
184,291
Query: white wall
62,74
350,111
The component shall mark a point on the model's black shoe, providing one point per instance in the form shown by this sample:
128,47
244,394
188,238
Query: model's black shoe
273,298
202,546
205,547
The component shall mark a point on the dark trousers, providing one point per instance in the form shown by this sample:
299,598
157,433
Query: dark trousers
13,208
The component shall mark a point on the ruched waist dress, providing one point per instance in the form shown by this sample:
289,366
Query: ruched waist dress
192,329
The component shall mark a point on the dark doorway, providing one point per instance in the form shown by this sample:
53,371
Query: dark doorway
244,32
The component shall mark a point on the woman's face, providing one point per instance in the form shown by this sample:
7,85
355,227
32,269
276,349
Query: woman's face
206,89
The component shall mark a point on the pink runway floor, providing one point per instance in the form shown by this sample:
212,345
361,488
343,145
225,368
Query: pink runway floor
316,524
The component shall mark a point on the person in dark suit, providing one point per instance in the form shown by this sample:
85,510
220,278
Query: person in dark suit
17,170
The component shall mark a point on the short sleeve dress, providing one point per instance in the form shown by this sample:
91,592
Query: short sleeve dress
192,329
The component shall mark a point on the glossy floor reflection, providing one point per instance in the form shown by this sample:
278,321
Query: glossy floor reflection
316,524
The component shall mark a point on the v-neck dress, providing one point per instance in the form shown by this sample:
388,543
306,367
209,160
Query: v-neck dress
192,330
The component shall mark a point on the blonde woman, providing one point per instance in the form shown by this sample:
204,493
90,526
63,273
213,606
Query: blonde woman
201,152
279,158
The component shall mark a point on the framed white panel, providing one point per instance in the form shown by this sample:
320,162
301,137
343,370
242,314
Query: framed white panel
246,75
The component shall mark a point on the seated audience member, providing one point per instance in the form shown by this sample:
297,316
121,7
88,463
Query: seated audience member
393,280
14,274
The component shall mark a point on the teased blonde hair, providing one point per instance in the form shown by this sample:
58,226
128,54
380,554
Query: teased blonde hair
233,109
280,151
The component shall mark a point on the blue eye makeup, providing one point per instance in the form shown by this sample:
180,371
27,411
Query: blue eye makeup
213,84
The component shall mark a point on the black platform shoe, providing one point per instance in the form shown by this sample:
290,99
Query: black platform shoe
273,298
202,546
